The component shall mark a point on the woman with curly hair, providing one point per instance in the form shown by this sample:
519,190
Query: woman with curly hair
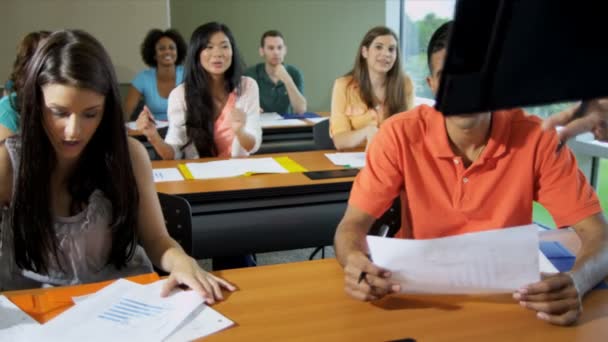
163,52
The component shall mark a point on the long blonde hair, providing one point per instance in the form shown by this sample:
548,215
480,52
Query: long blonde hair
397,82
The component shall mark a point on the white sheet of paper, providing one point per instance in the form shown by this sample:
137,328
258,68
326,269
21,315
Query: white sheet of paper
352,159
317,120
15,325
122,311
159,124
202,322
283,122
234,167
270,116
600,143
493,261
167,175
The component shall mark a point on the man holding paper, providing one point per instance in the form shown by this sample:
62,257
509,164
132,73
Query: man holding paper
470,173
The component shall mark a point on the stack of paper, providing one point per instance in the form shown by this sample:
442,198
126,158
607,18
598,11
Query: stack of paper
167,175
494,261
350,159
234,167
127,311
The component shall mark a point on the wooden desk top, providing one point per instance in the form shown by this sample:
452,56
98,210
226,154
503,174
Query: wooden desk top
306,302
311,160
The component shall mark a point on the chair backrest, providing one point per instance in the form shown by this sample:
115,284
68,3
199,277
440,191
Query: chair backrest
392,218
178,219
320,135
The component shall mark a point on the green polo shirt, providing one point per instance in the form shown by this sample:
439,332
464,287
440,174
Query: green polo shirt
273,97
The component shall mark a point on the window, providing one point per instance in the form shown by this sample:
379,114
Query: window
420,19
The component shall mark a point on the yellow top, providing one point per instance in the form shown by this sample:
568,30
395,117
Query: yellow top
349,112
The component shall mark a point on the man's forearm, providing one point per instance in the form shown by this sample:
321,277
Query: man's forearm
297,100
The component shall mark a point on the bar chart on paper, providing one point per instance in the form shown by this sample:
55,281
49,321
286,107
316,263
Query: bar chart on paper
128,311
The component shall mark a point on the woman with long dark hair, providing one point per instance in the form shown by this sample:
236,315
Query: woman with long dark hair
73,209
373,90
216,111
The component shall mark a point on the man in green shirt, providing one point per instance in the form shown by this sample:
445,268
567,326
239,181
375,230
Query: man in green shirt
281,85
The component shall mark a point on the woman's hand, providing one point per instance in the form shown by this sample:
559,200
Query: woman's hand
186,271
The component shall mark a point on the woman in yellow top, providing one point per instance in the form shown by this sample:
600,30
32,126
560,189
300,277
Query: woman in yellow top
372,91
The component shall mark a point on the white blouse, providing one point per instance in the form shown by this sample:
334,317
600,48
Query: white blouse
248,101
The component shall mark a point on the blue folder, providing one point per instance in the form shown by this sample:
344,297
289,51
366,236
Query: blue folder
562,259
306,115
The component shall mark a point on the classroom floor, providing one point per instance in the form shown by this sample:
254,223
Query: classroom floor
280,257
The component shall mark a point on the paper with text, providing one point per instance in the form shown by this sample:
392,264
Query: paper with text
15,325
495,261
234,167
170,174
122,311
352,159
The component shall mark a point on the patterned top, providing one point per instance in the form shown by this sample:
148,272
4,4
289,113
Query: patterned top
84,242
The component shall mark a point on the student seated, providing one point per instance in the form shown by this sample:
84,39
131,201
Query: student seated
163,52
281,85
216,111
9,107
372,91
76,194
469,173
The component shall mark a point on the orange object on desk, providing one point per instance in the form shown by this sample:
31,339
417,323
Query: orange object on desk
46,303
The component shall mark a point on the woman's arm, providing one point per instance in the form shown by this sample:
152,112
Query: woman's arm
163,250
342,133
249,133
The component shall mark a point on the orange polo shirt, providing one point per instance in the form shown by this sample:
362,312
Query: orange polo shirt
411,154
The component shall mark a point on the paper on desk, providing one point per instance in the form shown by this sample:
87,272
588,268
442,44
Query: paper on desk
203,321
234,167
352,159
122,311
15,325
317,120
494,261
283,122
270,117
167,175
159,124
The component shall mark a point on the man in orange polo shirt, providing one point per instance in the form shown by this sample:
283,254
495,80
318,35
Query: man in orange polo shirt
471,173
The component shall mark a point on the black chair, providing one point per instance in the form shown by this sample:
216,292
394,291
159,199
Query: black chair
320,135
391,218
178,219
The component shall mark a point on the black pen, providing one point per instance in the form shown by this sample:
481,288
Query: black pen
579,113
383,232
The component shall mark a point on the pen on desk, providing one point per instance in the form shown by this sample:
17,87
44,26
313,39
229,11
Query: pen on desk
579,113
382,232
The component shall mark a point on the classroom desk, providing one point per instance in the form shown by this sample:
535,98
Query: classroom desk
593,150
263,213
306,302
288,138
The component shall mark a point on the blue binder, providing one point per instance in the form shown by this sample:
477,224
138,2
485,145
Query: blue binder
562,259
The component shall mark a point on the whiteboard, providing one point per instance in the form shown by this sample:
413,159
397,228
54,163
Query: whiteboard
120,25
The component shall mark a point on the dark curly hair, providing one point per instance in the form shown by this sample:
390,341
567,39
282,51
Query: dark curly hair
148,47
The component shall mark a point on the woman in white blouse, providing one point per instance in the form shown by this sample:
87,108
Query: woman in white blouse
216,111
